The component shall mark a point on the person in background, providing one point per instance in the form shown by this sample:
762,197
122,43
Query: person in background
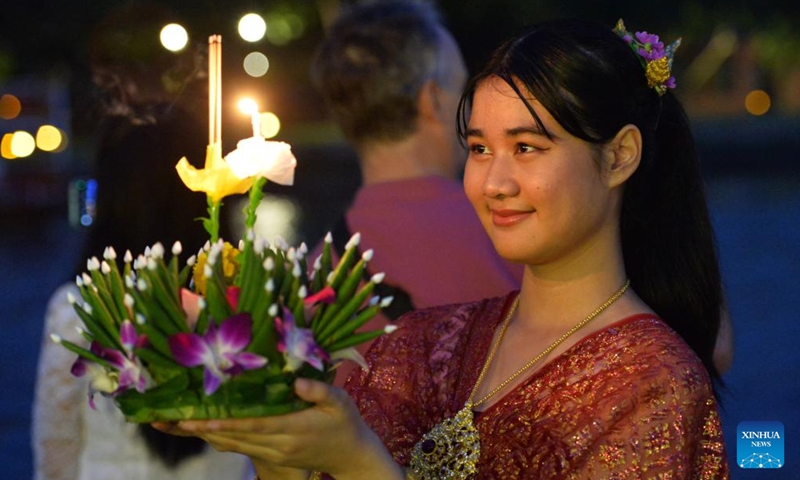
148,126
582,167
392,75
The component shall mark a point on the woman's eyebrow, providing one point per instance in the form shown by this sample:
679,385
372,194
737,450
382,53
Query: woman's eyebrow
527,130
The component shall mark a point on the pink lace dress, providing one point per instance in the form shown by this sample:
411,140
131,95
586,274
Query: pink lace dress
626,402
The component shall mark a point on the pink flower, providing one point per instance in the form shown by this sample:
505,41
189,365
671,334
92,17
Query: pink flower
220,351
128,369
298,345
191,304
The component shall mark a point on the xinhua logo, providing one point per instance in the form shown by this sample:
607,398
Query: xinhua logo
759,445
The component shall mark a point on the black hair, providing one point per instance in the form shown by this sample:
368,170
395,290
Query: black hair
593,84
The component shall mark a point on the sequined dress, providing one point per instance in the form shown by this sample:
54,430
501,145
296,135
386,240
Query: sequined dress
626,402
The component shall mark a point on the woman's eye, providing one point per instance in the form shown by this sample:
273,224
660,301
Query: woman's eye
478,148
525,148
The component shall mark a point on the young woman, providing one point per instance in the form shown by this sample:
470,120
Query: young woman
581,167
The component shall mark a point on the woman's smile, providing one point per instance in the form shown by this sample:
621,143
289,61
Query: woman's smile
506,217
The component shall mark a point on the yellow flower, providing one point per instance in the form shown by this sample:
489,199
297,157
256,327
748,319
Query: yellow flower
217,180
230,267
657,72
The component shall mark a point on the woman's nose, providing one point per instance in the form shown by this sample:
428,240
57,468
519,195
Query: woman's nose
500,179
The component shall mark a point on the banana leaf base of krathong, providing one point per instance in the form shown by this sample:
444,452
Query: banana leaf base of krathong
177,399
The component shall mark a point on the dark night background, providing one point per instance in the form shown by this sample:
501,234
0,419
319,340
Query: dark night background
729,48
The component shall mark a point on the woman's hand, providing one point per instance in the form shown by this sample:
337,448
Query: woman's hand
331,436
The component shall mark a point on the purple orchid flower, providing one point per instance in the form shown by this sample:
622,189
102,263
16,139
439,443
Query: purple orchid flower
128,370
219,350
652,47
298,345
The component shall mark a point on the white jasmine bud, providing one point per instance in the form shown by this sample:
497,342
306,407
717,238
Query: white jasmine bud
281,243
272,311
105,268
250,235
191,260
291,254
259,245
127,300
177,248
110,254
377,278
71,298
140,319
367,256
78,280
128,258
374,301
141,285
386,301
207,271
269,264
93,264
55,337
87,308
328,237
318,262
302,249
201,303
87,280
270,286
354,241
296,270
152,265
302,292
129,281
240,245
389,328
157,251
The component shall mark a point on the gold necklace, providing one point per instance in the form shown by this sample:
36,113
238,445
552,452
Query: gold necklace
451,450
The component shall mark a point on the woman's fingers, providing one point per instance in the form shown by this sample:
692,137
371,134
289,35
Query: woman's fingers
172,428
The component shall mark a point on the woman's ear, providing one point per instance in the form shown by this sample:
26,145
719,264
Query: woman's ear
428,101
622,155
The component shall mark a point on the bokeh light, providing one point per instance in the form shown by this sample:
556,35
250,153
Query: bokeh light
22,144
10,106
270,124
280,31
5,147
256,64
757,102
174,37
252,27
247,105
49,138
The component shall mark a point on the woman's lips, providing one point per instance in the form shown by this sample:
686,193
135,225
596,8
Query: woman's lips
507,217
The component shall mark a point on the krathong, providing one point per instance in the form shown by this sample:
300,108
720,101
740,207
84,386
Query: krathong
225,333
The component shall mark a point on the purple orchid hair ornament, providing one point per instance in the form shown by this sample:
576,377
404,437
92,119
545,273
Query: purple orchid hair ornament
655,57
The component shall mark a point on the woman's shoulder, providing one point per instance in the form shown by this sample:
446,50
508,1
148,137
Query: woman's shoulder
434,321
431,331
651,350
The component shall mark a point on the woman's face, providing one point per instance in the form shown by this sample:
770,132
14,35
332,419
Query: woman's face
543,201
